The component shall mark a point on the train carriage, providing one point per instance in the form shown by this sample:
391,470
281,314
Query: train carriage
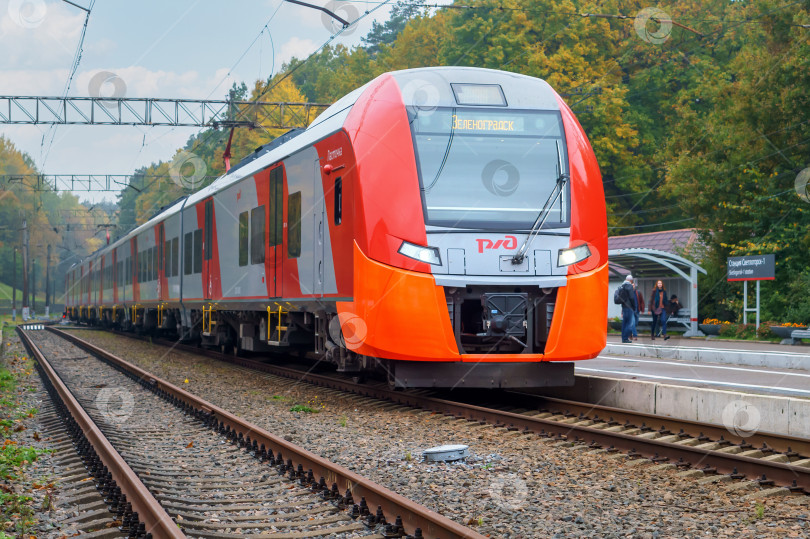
445,226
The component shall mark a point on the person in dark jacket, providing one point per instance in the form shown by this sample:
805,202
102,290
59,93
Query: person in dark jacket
658,307
629,307
674,306
639,310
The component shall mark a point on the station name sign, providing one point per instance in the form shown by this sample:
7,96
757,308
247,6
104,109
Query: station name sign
752,268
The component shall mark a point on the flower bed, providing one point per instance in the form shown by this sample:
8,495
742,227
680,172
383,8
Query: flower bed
710,329
784,331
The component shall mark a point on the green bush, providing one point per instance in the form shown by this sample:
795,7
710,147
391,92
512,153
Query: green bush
728,330
746,331
764,332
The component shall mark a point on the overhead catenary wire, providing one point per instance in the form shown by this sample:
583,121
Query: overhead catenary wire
289,73
77,58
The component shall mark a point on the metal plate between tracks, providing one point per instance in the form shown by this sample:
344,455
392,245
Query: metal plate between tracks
446,453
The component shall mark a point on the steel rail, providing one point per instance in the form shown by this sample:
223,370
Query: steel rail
149,510
413,514
784,474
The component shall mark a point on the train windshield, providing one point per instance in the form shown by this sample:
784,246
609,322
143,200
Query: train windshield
492,169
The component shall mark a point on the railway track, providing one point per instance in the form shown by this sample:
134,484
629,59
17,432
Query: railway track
771,460
170,464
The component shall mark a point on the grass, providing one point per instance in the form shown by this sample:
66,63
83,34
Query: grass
313,406
304,408
5,295
17,513
13,458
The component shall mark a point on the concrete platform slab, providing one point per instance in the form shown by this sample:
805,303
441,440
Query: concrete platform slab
740,413
755,354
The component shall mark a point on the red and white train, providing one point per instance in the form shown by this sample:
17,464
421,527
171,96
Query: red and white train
443,225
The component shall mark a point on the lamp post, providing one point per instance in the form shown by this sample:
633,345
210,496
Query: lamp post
48,283
25,314
34,287
14,287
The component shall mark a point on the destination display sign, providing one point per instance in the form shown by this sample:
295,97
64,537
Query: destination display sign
751,268
483,124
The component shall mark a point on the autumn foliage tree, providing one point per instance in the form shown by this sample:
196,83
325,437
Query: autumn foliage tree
697,112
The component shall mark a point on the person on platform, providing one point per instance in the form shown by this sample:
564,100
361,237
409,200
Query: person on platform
658,307
627,294
674,306
639,310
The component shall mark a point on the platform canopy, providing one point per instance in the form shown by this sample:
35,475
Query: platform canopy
655,263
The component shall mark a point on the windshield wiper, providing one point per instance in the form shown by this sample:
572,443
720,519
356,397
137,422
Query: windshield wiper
559,185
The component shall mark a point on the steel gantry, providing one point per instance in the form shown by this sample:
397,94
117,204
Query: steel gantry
158,112
86,182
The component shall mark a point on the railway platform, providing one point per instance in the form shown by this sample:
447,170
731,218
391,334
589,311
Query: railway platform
757,354
766,386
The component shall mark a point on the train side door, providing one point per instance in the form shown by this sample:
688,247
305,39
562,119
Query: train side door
161,278
114,273
319,216
136,276
275,250
208,250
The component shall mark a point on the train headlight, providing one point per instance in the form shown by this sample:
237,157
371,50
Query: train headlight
429,255
574,255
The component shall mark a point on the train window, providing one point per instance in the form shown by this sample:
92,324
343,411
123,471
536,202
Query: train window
338,200
175,256
187,254
276,209
455,144
198,250
243,238
257,224
294,225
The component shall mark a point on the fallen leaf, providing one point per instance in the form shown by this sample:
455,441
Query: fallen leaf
190,444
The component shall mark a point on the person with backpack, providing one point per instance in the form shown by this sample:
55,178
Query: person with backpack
625,296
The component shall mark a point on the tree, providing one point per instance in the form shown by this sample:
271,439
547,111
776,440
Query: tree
387,33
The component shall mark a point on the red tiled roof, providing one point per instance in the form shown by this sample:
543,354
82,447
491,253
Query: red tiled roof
671,241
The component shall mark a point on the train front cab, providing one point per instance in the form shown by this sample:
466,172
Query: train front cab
435,275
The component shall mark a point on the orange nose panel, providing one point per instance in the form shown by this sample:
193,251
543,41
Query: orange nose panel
401,314
396,314
579,326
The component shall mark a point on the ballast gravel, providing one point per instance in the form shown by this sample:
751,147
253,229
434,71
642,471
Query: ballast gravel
513,485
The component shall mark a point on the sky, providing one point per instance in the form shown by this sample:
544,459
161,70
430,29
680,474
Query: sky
192,49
